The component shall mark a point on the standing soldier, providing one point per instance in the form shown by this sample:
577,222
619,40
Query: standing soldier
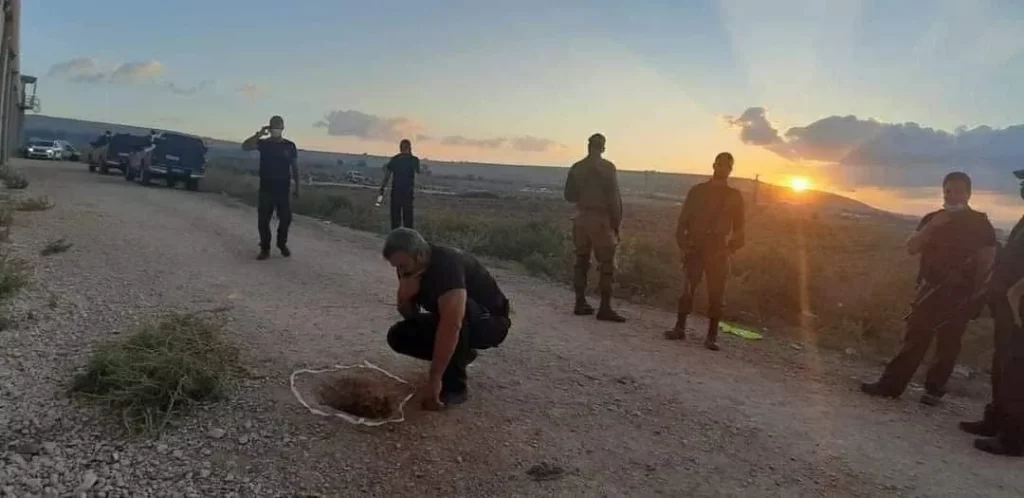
710,229
278,168
1003,425
403,168
592,185
957,246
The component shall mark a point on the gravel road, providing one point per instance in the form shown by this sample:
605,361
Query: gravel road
620,410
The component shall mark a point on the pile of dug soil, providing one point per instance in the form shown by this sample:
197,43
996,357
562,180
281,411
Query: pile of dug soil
362,394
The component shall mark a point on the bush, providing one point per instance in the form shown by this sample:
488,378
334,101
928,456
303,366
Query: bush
160,371
13,179
13,275
55,247
34,204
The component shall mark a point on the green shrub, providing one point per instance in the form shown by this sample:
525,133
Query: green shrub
162,370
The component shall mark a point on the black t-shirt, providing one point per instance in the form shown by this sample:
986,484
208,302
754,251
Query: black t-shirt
452,269
276,158
403,168
945,256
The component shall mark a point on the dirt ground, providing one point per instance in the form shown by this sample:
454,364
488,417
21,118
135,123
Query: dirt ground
567,406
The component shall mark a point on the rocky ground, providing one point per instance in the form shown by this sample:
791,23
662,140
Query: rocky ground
566,407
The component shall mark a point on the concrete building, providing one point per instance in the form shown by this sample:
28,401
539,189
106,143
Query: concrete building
17,91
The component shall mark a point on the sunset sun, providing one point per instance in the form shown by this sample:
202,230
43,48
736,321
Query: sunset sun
800,184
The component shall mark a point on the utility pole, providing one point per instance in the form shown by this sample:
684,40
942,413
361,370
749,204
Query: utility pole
757,183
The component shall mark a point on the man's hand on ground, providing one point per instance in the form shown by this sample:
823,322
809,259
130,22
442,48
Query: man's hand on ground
430,393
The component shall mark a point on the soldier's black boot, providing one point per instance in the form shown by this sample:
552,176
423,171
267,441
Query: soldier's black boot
579,283
678,332
263,255
605,313
984,428
711,340
999,446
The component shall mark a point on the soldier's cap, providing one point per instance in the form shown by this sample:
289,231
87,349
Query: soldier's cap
1019,174
277,122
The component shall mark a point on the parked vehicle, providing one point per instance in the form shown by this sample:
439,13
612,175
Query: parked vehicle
44,149
117,153
176,157
68,151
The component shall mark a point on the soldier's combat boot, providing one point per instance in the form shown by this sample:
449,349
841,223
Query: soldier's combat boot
999,446
711,339
579,283
984,428
605,313
263,255
678,332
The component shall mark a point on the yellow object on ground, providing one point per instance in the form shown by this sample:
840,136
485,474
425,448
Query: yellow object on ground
740,331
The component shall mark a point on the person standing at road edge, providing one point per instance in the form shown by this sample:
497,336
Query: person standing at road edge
957,246
278,168
403,168
593,186
1002,428
451,307
710,229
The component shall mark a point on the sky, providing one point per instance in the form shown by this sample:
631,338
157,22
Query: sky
872,99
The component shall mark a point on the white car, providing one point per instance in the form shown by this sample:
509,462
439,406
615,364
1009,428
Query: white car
44,149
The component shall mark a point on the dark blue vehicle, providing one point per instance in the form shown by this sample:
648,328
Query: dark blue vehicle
175,157
117,153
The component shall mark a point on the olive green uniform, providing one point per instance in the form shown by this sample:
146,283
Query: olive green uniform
711,212
593,186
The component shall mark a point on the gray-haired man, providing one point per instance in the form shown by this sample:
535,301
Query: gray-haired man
451,307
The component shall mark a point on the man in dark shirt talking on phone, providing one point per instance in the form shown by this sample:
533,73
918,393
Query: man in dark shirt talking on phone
278,168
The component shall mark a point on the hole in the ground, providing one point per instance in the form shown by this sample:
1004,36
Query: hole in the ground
360,395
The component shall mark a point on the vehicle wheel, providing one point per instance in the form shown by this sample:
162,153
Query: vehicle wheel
192,185
92,168
104,169
171,182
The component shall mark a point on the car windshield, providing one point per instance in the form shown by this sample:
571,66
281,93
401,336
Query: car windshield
41,143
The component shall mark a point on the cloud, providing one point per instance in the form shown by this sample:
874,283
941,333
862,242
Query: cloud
190,90
90,70
529,143
137,72
904,154
755,128
81,70
251,92
483,143
351,123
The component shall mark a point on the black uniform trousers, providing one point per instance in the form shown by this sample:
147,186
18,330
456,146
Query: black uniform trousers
274,196
480,330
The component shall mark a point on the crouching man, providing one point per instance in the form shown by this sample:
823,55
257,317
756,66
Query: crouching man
451,307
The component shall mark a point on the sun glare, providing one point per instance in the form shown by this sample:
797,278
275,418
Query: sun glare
800,184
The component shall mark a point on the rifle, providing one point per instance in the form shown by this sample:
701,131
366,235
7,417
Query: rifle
923,297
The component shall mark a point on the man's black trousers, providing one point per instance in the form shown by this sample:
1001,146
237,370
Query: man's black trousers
274,197
401,211
480,330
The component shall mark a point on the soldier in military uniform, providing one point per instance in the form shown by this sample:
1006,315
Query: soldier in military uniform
1003,425
593,187
710,229
957,246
